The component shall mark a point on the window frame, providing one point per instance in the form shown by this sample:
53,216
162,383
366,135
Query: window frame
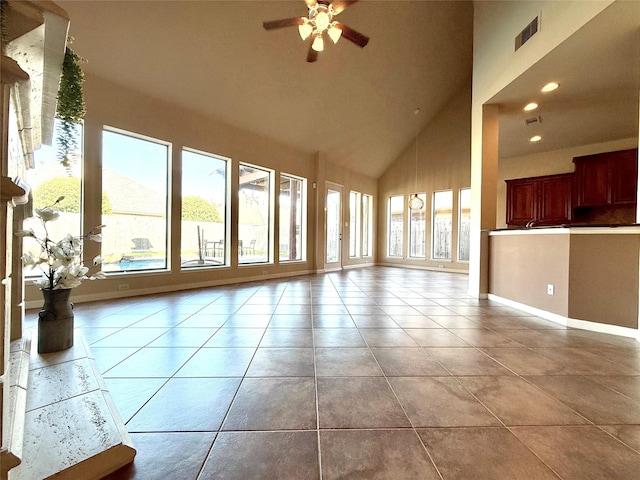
270,223
355,224
226,213
410,232
368,221
400,235
168,204
303,219
460,224
434,225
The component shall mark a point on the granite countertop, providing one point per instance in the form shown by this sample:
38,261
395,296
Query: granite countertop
568,225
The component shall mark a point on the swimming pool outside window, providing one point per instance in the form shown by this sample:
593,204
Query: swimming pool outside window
135,177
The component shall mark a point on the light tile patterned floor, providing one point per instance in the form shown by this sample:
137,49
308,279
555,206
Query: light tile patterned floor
376,373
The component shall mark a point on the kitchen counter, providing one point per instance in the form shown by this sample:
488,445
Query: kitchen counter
578,275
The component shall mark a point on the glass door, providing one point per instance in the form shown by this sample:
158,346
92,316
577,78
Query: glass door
333,227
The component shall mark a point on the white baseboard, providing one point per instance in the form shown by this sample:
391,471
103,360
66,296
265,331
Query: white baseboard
420,267
93,297
570,322
357,265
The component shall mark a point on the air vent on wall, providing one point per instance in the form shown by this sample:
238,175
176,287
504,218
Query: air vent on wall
528,32
532,120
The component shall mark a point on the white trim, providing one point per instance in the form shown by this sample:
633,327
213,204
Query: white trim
621,230
533,231
357,265
570,322
170,288
334,269
612,230
420,267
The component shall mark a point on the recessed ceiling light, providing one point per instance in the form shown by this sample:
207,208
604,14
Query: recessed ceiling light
549,87
530,106
535,138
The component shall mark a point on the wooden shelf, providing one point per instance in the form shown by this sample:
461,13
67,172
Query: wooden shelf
10,190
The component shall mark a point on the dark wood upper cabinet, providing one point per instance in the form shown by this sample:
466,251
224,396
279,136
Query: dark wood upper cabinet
554,206
606,179
521,201
542,200
624,177
602,190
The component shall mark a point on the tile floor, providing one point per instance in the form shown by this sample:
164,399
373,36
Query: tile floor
376,373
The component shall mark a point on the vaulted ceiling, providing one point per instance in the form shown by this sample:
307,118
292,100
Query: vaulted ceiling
355,106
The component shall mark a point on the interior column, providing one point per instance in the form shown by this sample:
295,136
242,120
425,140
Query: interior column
484,174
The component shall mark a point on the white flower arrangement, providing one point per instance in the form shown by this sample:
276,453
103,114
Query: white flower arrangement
62,263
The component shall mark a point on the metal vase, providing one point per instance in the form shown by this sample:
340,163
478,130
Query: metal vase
55,321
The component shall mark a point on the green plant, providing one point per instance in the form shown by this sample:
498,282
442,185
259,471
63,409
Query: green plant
4,8
68,187
48,191
71,108
198,209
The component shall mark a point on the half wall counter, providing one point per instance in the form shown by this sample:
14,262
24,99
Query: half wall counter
584,277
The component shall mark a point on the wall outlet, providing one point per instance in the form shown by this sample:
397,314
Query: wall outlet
123,286
440,266
550,289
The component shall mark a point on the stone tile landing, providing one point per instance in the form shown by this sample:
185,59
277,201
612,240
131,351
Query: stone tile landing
72,429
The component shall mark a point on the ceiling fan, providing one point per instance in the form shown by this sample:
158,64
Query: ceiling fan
320,19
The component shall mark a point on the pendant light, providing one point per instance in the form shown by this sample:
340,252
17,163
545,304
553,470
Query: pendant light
415,202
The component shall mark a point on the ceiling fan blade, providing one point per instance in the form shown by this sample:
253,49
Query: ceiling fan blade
285,22
352,35
340,5
312,56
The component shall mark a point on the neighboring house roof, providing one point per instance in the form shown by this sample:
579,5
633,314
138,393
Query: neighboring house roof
126,196
130,197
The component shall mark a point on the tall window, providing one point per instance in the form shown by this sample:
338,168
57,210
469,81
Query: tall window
334,227
367,225
292,218
135,179
395,220
354,224
464,229
49,180
417,229
442,222
254,214
204,210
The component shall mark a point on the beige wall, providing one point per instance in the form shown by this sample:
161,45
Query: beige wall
522,266
112,105
603,285
547,163
443,164
594,272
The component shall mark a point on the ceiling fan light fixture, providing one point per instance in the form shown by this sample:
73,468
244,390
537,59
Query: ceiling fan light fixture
334,33
318,43
322,20
305,29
